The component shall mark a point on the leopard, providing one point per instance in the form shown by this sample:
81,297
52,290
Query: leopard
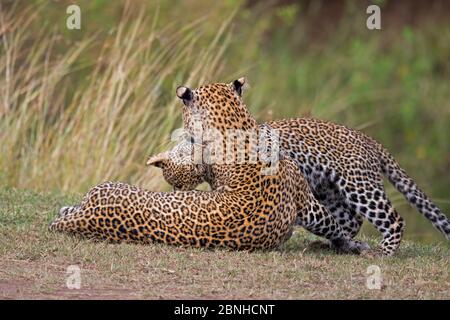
179,167
250,207
344,168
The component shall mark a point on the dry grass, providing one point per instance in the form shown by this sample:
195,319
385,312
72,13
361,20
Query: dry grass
33,264
61,135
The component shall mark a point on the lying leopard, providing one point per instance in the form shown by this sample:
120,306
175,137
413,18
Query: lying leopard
248,209
343,167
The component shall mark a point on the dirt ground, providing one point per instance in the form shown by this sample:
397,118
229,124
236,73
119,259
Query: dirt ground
36,264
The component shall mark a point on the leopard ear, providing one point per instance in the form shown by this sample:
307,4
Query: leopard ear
157,160
185,94
239,85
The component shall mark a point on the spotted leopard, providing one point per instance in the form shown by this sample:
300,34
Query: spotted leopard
344,168
247,210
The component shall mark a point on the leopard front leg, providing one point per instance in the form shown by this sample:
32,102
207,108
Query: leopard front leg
328,195
317,219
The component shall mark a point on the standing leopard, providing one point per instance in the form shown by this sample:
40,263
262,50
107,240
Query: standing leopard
248,209
343,167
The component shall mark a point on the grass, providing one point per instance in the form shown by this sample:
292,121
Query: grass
99,116
33,264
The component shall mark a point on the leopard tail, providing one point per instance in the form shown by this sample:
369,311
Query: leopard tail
411,191
64,213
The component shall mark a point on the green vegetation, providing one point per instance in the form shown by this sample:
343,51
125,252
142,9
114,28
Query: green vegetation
81,107
33,264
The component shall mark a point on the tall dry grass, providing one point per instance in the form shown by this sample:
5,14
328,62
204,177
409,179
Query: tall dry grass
58,132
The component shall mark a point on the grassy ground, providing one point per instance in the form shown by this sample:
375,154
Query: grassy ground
33,264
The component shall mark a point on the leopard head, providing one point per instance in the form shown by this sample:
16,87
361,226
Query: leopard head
179,167
217,105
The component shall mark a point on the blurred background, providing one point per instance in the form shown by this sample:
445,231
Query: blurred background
78,107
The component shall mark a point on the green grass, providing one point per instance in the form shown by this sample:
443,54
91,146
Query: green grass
33,264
